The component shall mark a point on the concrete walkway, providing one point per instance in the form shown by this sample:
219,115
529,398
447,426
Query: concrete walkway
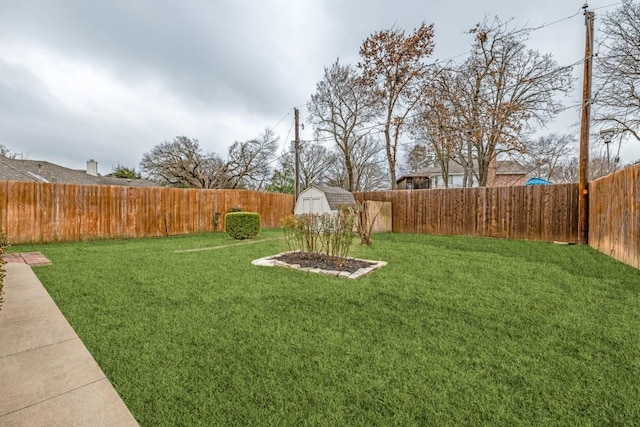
47,376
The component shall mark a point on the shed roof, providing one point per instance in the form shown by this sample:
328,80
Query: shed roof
337,196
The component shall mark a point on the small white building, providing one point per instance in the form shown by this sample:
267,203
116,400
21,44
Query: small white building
323,199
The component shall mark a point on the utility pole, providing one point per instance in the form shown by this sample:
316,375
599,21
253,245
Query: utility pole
296,113
585,125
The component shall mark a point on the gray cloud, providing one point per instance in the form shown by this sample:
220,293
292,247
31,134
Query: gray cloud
218,71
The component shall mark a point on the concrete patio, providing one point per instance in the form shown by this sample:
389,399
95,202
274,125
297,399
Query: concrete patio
47,376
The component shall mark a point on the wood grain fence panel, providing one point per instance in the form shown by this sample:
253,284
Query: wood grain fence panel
423,210
4,203
18,220
446,218
517,213
503,211
634,211
462,215
218,203
614,215
471,211
48,212
33,212
426,206
531,212
481,214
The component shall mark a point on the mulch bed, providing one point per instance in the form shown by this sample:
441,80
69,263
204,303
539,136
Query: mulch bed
323,262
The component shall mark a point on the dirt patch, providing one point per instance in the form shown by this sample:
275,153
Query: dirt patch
323,262
351,268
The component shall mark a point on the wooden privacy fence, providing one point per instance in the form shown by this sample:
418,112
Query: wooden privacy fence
614,215
44,212
537,212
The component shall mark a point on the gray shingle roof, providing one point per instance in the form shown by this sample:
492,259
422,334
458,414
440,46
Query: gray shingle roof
337,196
510,167
41,171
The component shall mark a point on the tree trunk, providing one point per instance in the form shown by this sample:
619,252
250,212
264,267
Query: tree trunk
390,158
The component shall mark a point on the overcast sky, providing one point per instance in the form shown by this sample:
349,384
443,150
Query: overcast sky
108,80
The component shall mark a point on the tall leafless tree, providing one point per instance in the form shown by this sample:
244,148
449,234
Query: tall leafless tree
371,171
547,154
315,163
394,68
617,94
182,163
249,162
501,92
439,125
567,171
341,109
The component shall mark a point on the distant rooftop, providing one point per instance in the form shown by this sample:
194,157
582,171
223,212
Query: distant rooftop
43,171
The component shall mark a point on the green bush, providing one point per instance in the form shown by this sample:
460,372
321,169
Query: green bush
242,225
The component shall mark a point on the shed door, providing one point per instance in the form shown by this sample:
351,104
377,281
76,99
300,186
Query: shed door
312,205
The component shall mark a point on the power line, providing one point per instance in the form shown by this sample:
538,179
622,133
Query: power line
487,91
272,128
285,152
607,6
540,27
527,29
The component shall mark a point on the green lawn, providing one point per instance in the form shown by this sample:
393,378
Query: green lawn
454,331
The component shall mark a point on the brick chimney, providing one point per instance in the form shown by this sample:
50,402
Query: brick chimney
92,167
492,172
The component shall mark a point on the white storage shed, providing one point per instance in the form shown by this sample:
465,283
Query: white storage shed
323,199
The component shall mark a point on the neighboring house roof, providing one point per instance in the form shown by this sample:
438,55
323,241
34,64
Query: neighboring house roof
505,167
419,174
42,171
336,196
510,167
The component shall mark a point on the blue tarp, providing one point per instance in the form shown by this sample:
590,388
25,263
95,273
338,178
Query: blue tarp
537,181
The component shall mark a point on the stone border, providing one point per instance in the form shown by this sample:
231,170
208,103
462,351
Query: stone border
270,261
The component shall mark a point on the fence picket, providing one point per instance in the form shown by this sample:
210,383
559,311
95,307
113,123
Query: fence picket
531,212
49,212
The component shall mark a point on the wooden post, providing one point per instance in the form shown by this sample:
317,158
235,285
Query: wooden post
585,125
297,150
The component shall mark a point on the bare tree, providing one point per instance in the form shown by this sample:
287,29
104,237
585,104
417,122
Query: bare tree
182,163
249,162
618,70
393,66
369,168
545,155
315,163
568,170
417,156
438,124
341,108
10,154
502,91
